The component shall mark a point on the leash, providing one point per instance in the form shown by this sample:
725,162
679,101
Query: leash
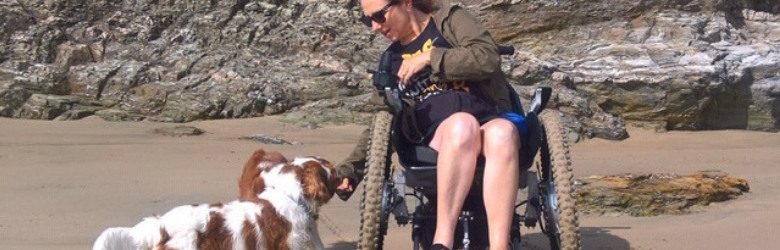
332,228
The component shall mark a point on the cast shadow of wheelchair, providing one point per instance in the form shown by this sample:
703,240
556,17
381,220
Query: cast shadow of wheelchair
343,245
591,237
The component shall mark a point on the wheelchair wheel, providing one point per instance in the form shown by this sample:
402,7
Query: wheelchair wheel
373,220
558,211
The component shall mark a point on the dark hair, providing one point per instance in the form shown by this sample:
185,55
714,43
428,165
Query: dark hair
426,6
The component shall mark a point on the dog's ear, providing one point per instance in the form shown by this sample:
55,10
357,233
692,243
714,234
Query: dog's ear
334,179
250,183
272,159
317,184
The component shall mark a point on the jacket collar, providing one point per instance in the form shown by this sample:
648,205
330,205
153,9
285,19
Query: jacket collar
443,11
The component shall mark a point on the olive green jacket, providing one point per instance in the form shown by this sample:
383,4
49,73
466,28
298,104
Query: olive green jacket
474,55
473,58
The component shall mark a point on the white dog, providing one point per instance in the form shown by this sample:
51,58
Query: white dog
277,209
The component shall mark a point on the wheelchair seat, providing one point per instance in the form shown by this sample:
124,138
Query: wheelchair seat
419,163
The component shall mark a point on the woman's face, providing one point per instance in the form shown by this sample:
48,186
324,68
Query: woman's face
396,25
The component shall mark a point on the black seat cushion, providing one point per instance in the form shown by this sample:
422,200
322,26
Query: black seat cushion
419,163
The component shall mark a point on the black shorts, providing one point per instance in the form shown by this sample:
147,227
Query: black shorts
434,109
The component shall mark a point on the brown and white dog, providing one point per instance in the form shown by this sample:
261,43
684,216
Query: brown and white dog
277,209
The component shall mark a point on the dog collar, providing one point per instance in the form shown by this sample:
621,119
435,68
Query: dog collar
303,204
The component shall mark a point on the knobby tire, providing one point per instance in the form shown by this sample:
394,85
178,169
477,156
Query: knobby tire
371,237
560,162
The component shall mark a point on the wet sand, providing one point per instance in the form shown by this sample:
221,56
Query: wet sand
64,182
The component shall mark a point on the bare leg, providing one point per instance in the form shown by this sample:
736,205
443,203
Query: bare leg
458,143
501,150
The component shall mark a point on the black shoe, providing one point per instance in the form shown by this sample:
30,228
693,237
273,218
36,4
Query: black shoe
439,247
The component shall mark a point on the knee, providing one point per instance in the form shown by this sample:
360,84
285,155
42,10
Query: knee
461,129
501,133
462,125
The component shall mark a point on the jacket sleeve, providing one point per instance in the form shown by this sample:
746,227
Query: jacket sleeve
473,56
354,165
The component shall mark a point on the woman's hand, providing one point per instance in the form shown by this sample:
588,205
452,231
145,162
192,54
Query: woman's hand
345,186
345,189
412,65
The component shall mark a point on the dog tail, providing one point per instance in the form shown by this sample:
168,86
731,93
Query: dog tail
145,235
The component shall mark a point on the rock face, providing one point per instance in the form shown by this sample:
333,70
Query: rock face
666,64
179,60
655,194
695,64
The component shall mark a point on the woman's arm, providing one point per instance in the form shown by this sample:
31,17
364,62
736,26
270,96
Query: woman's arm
473,56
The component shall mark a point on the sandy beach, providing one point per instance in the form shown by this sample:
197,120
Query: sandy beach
63,182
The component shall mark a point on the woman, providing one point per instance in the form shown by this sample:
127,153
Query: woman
458,111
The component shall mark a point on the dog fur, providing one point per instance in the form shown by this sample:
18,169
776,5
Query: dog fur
278,205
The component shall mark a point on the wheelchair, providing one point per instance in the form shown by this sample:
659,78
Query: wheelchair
546,173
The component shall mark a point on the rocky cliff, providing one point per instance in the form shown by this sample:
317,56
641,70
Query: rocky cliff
668,64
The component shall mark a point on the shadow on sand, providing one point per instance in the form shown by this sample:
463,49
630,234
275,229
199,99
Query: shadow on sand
591,238
343,245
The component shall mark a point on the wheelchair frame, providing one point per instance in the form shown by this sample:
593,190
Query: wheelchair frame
550,202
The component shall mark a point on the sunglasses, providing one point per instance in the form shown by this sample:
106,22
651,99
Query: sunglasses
379,16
